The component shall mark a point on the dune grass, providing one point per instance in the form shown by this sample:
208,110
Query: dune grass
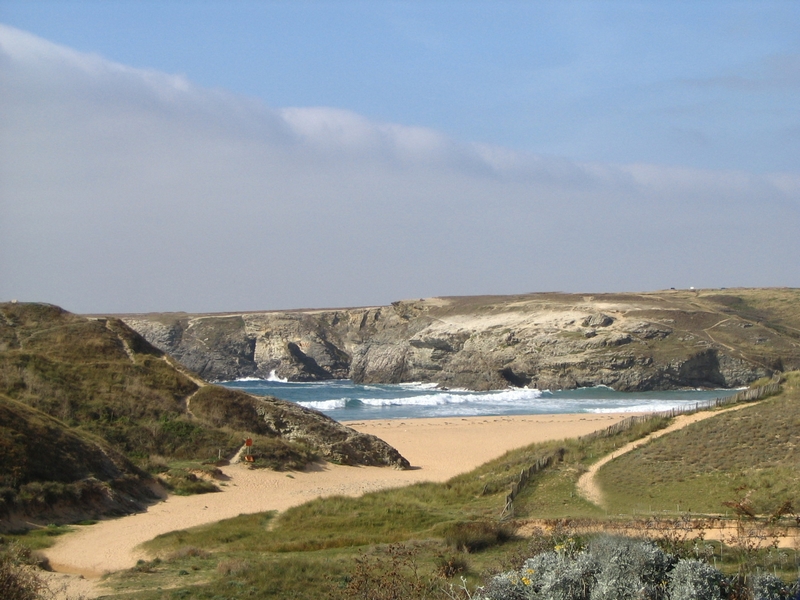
553,494
313,550
750,455
316,550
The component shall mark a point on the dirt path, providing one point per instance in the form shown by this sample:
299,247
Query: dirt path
587,484
438,449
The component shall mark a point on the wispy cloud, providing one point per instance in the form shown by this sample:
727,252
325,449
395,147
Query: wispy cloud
128,190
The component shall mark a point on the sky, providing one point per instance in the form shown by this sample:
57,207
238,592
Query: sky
224,156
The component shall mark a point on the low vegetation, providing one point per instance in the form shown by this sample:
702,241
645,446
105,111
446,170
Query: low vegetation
19,579
420,541
86,476
88,409
610,568
744,460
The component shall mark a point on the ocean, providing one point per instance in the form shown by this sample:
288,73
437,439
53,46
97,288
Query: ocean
347,401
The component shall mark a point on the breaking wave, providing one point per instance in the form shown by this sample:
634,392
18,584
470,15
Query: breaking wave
345,400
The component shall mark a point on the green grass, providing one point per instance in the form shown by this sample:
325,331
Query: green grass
81,398
37,539
553,494
437,519
419,511
753,452
316,550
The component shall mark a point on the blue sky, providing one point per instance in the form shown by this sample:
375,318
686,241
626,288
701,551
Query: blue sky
255,155
707,84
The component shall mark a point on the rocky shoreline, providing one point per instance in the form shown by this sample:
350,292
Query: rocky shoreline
631,342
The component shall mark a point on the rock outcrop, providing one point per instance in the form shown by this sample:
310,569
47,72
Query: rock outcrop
653,341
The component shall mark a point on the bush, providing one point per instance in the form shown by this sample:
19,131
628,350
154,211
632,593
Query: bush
233,566
183,483
695,580
450,566
611,568
568,577
279,454
391,573
18,580
768,587
474,536
630,569
188,551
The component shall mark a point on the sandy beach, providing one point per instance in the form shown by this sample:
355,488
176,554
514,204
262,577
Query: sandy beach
437,449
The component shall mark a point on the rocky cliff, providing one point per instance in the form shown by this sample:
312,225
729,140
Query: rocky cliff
650,341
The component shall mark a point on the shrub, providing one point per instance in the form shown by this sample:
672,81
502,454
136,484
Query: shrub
768,587
695,580
182,483
611,568
279,454
474,536
391,573
155,464
630,569
18,580
233,566
569,578
188,551
450,566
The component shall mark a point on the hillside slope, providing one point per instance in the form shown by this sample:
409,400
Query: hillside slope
70,384
650,341
50,472
748,457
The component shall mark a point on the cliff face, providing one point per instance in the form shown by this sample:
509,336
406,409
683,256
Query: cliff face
660,340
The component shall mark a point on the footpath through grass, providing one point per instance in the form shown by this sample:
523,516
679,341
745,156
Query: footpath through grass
748,459
313,550
320,549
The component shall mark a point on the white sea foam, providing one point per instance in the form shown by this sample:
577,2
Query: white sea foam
418,385
246,379
326,404
512,395
346,399
273,376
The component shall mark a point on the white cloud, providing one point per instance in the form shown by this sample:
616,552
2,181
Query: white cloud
128,190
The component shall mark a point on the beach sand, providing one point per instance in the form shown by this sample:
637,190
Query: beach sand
438,449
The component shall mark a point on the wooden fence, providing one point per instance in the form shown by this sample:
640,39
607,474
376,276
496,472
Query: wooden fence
525,475
762,391
773,387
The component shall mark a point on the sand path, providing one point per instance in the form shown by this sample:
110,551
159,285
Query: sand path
587,483
438,448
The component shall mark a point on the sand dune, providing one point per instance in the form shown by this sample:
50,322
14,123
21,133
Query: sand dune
437,448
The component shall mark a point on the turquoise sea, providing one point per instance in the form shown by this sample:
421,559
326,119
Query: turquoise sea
347,401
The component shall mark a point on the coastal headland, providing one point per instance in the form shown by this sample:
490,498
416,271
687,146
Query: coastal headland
628,341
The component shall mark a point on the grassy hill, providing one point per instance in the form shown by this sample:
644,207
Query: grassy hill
752,454
103,378
73,387
51,472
